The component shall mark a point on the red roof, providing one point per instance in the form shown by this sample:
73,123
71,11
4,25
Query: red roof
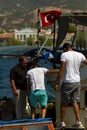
6,35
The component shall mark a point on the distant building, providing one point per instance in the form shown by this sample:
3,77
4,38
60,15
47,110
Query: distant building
4,37
25,33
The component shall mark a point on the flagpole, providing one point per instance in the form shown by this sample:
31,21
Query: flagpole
54,43
38,28
46,19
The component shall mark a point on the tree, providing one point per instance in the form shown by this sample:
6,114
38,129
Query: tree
13,41
30,41
49,42
41,39
81,39
72,28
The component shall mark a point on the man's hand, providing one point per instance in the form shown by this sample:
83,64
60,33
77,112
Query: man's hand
56,87
16,92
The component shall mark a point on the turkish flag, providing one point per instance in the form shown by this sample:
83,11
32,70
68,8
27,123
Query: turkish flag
48,18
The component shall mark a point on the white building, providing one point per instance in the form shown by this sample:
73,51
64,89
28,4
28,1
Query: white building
25,33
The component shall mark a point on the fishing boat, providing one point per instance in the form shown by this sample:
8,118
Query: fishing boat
51,57
27,124
63,22
78,19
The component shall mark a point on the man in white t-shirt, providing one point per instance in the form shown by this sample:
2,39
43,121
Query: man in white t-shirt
70,89
36,87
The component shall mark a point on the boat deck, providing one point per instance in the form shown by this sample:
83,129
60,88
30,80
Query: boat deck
27,124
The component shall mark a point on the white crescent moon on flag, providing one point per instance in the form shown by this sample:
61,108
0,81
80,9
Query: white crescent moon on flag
46,18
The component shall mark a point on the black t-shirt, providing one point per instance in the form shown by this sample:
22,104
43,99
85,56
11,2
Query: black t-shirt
18,74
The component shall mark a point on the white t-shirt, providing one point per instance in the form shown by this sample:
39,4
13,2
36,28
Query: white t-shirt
73,60
37,77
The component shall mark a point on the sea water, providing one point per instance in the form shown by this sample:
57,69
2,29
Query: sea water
5,66
6,63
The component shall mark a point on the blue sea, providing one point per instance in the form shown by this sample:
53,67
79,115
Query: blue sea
6,63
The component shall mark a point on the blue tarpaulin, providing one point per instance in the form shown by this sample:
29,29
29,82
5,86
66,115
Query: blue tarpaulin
22,121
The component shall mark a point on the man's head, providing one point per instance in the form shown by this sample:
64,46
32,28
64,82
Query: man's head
23,61
36,65
67,47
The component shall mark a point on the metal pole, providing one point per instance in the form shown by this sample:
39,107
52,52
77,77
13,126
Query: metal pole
54,44
38,27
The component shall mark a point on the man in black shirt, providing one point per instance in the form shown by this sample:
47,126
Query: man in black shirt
18,84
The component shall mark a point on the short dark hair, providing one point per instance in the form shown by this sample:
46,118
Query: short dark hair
21,58
67,45
35,65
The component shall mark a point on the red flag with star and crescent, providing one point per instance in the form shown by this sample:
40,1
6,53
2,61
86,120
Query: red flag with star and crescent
48,18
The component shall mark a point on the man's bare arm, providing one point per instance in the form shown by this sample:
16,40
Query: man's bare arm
14,87
61,71
85,61
28,84
60,75
53,71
